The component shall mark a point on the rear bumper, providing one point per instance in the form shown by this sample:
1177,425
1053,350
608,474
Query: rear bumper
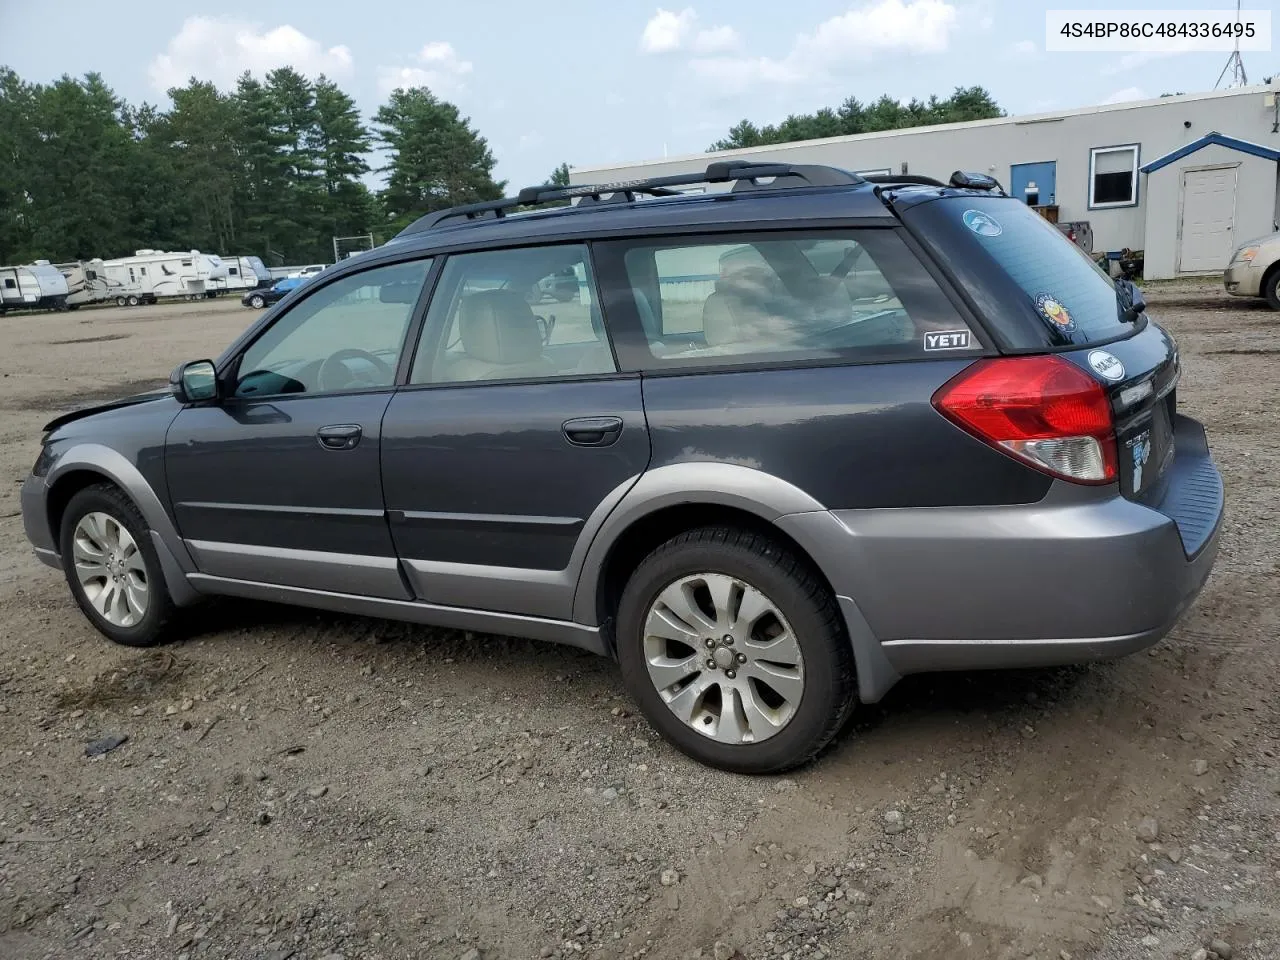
1082,575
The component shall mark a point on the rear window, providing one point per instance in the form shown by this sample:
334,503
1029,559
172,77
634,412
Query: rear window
1068,293
856,295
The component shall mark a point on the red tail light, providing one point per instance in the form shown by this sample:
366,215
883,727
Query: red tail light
1042,410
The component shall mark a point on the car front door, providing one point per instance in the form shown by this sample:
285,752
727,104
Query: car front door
280,481
514,436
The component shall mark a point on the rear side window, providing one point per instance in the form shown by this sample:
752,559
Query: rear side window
1068,293
822,295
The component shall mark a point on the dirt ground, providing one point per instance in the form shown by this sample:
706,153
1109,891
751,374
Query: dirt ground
306,785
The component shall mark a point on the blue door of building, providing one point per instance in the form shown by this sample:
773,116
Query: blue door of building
1034,183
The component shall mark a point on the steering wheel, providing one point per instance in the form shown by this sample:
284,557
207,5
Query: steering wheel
327,377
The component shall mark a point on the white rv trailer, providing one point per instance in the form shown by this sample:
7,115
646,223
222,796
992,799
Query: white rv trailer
32,286
151,274
85,282
243,273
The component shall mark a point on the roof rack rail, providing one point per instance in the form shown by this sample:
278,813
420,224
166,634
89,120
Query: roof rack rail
744,176
906,179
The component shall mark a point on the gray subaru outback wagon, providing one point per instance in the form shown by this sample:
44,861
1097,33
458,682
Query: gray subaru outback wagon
781,444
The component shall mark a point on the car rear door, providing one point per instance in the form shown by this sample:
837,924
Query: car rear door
514,437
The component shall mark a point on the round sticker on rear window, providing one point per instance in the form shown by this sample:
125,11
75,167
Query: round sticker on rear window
1052,310
983,224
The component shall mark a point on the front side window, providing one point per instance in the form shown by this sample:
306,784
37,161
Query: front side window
1113,176
820,296
513,315
347,335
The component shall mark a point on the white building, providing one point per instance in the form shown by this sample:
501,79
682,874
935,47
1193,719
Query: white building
1185,179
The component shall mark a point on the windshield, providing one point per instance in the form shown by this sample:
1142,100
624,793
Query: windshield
1070,296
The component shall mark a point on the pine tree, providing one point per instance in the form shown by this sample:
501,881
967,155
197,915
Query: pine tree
436,159
340,140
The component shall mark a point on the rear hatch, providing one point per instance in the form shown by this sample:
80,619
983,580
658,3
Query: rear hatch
1037,293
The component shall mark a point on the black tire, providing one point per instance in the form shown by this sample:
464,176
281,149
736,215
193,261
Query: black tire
133,301
1271,288
806,602
257,301
156,624
121,301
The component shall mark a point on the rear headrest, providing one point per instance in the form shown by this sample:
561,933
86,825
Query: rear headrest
498,326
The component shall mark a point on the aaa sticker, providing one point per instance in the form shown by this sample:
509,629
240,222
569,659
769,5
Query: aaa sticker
1052,310
983,224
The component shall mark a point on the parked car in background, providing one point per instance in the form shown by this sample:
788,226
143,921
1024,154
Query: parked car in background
309,271
782,450
265,296
1254,270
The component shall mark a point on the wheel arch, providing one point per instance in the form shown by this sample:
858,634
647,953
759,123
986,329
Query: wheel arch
670,499
87,464
1267,276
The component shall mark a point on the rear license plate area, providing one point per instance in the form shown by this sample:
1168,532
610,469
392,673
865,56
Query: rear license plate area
1145,451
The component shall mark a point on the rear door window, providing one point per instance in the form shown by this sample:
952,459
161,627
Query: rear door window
1068,293
855,295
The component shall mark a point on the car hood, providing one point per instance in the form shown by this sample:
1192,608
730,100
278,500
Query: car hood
79,414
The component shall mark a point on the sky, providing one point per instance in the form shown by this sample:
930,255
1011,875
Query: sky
592,82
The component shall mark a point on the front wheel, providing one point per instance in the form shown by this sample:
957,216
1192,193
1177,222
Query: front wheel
257,302
1271,289
735,650
112,567
133,301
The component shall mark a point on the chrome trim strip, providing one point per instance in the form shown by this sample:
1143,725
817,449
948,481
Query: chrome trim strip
281,508
503,519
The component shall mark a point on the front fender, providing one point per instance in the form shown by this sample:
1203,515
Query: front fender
175,561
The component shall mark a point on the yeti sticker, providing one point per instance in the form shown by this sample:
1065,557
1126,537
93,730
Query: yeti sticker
1140,452
947,340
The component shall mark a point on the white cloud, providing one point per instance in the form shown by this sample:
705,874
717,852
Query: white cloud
1024,48
1128,93
722,39
839,45
220,49
437,67
667,32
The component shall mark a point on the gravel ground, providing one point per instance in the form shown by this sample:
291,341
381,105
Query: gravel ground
306,785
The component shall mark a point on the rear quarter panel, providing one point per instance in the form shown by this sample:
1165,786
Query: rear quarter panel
849,436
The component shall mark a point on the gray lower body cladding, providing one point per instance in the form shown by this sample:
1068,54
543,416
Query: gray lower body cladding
1082,575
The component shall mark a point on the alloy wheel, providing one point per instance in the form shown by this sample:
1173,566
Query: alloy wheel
723,658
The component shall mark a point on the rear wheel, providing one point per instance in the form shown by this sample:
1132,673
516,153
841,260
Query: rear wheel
112,567
133,301
121,301
1271,288
735,651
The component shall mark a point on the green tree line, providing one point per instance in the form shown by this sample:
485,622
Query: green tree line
853,116
274,167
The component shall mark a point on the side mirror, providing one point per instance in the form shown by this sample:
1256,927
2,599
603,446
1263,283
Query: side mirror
195,381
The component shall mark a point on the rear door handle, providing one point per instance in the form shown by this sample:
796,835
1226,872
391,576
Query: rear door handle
593,431
340,436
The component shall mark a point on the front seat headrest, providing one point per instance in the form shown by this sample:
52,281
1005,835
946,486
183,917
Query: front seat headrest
498,326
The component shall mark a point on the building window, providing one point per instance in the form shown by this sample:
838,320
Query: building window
874,173
1113,176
